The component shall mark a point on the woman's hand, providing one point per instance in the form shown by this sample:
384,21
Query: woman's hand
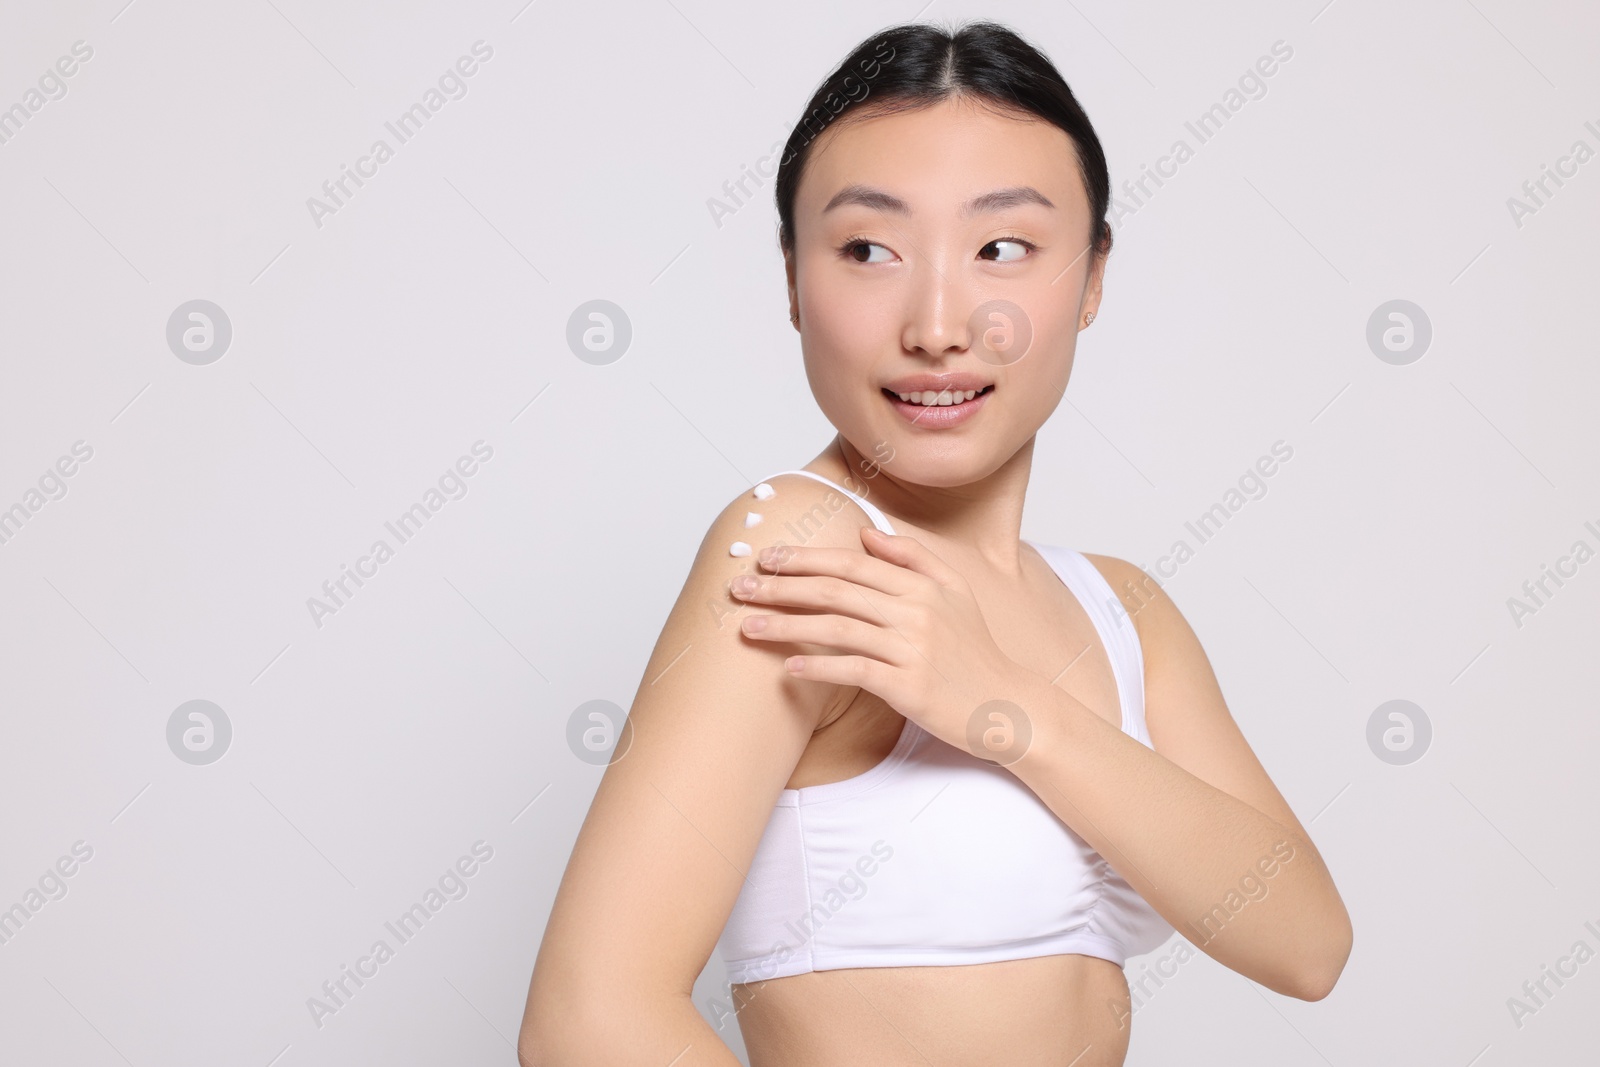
913,634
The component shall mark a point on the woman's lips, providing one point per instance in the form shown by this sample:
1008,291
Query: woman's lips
937,416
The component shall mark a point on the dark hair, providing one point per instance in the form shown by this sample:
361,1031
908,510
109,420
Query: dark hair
917,65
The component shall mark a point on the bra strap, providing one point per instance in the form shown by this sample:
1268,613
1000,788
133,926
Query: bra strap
879,519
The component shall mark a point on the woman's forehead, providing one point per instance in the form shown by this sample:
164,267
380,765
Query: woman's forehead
938,160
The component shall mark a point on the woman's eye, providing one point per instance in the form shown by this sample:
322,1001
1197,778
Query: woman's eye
1021,246
852,248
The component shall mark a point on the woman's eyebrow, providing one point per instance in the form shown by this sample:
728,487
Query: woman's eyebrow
878,200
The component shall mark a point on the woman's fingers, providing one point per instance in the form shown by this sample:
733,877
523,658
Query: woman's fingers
831,631
907,553
861,671
819,592
866,571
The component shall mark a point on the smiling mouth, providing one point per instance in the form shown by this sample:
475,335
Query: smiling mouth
946,398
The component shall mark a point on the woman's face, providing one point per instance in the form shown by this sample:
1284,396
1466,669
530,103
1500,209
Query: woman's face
896,277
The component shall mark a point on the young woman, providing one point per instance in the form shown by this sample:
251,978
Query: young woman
925,785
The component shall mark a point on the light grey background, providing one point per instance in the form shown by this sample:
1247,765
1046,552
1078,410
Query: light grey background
431,311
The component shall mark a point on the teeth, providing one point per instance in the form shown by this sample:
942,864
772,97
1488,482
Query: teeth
929,398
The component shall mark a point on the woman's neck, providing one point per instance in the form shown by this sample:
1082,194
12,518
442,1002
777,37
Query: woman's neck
977,523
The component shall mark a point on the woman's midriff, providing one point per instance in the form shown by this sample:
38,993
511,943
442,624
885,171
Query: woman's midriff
1055,1010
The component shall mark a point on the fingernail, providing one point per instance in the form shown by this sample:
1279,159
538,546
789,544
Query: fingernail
743,585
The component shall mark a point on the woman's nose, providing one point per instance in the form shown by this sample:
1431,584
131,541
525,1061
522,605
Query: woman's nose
939,307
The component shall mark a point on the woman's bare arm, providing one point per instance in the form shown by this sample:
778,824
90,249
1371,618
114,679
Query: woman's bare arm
718,727
1194,824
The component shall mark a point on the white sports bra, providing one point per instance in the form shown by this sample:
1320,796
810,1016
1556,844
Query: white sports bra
936,856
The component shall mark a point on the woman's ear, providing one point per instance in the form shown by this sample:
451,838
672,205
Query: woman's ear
794,292
1091,293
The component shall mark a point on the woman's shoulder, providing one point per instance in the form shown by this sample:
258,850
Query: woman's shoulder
782,509
1133,586
1156,617
787,508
